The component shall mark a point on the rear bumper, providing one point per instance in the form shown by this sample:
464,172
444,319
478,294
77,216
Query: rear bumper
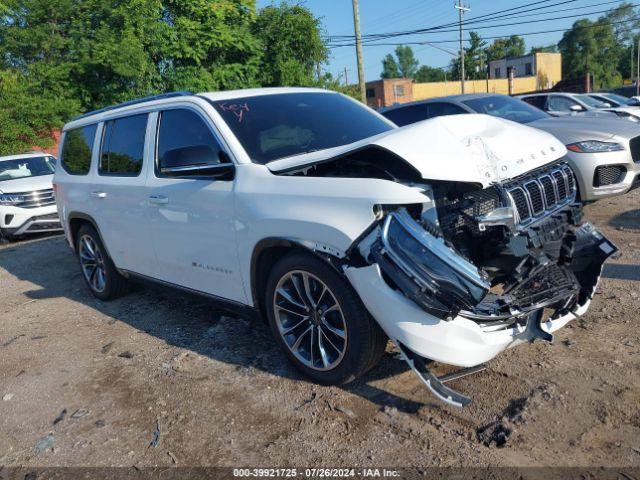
23,221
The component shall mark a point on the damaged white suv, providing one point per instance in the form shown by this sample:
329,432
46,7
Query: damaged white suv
456,237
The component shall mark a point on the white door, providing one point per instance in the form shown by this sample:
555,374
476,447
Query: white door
118,193
192,220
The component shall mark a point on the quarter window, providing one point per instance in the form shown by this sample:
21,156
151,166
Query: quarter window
123,146
76,150
184,140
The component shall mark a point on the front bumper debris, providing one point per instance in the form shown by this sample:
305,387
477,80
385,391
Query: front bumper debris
436,309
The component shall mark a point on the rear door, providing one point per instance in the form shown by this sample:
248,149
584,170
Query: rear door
118,194
192,219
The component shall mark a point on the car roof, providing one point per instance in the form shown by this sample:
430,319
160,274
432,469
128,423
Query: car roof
25,155
459,98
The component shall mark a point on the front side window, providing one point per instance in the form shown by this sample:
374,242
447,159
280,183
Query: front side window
123,146
185,140
271,127
506,107
538,101
592,102
76,150
438,109
561,104
26,167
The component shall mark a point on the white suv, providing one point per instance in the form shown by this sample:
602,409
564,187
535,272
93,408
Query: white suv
27,203
450,236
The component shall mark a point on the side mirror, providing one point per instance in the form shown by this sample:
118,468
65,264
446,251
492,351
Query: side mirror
197,161
576,108
606,105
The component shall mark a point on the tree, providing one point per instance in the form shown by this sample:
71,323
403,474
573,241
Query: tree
430,74
591,47
26,115
403,65
474,59
292,44
389,67
512,46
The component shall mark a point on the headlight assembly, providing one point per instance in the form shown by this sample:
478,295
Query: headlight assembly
594,146
9,199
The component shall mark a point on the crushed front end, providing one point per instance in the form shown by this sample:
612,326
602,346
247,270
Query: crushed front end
475,271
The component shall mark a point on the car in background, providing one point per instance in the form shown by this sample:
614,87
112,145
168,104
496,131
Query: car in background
577,104
27,200
604,153
616,100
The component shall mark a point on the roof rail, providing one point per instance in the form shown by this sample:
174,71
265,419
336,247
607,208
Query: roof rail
181,93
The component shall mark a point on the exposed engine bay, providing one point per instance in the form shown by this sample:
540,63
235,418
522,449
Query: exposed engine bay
494,255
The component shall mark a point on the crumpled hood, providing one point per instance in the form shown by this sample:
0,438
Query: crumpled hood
27,184
464,148
587,128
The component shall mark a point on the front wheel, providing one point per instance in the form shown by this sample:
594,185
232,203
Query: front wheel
98,270
320,322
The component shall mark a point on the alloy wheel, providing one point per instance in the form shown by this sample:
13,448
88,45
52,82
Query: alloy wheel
92,263
310,320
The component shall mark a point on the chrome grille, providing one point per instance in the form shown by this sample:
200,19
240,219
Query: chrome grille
539,193
39,198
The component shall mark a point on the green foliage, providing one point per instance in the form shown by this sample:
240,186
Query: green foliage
512,46
389,67
474,59
430,74
26,115
407,63
292,45
591,47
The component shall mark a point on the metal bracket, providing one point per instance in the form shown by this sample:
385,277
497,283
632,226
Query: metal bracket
437,384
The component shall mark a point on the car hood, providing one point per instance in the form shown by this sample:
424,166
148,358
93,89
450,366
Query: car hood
587,128
27,184
472,148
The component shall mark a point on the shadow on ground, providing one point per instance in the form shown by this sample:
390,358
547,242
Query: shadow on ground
179,319
627,220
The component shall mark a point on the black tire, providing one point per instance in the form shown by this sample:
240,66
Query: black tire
365,340
115,285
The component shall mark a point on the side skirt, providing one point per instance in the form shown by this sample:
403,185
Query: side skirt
224,304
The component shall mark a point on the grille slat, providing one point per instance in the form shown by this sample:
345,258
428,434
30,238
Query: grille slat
38,198
542,192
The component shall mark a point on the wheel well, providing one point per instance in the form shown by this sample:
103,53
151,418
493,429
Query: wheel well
265,256
74,227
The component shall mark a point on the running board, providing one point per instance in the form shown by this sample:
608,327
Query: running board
437,384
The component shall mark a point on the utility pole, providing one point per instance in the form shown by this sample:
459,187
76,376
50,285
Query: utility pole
346,77
631,62
461,9
638,70
356,26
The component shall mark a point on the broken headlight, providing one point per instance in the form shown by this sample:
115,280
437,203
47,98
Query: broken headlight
446,280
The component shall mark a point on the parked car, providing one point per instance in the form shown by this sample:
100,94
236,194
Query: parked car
615,100
604,154
579,104
341,229
27,203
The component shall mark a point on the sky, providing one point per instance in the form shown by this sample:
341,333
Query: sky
382,16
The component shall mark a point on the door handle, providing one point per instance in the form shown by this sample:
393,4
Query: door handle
98,194
158,199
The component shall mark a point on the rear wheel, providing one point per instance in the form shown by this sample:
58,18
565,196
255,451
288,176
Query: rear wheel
320,322
98,269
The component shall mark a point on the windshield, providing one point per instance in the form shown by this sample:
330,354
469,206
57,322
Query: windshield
26,167
506,107
275,126
590,101
617,98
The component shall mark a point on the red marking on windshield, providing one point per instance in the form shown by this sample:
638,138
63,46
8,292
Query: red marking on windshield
238,109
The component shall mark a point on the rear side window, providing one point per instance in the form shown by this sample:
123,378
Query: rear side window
538,102
185,140
76,150
406,115
123,146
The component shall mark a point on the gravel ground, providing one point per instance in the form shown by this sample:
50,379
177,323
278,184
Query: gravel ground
159,379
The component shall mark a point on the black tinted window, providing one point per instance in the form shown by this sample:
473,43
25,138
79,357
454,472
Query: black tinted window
406,115
538,102
123,146
274,126
184,139
440,108
76,150
505,107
